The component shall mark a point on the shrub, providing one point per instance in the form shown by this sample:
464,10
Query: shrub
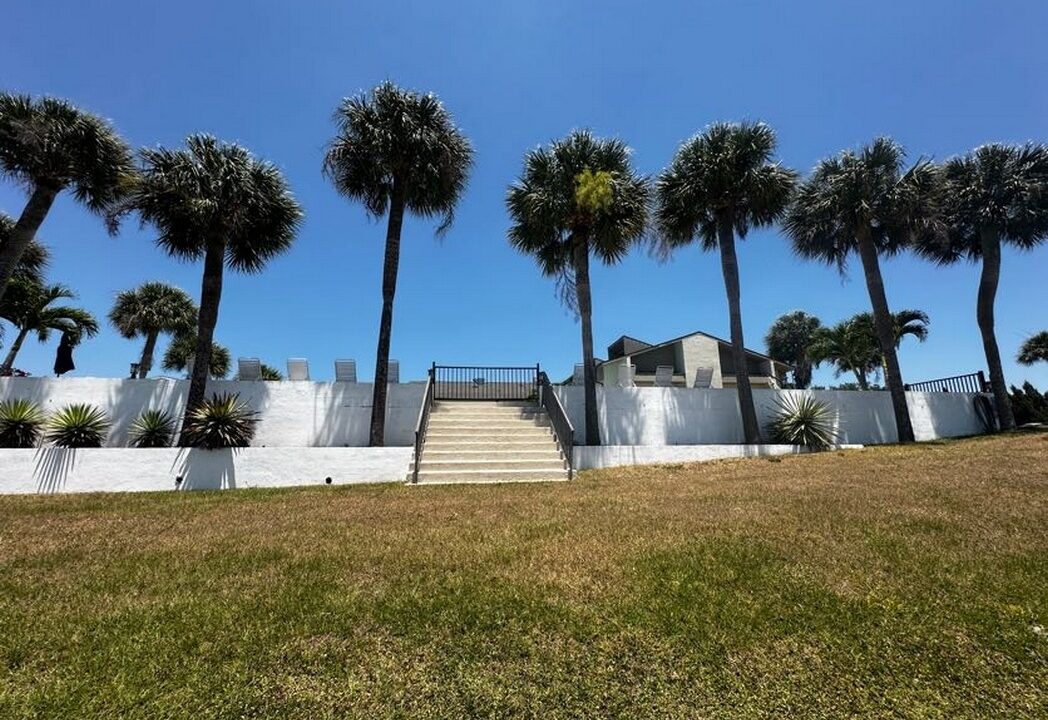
221,422
803,421
78,426
1029,405
152,429
20,423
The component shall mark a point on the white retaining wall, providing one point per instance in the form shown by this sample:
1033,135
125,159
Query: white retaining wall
54,470
291,414
590,457
685,416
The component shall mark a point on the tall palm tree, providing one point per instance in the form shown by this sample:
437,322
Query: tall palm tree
994,195
865,203
149,310
396,151
29,307
49,145
848,346
789,340
1034,349
34,259
720,184
214,201
577,196
181,355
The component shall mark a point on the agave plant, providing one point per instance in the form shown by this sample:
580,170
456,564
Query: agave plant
78,426
220,422
803,421
20,423
152,429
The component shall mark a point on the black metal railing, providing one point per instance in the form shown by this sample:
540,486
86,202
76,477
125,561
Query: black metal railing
457,382
422,425
971,383
558,419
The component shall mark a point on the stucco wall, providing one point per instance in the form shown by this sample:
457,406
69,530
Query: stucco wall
53,470
686,416
291,414
589,457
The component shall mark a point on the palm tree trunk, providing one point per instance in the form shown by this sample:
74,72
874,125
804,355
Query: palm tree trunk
883,323
146,362
385,327
24,231
988,281
860,378
730,268
210,297
9,361
589,370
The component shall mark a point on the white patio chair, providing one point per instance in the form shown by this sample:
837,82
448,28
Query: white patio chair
703,378
249,369
626,376
579,377
297,369
346,371
663,376
393,372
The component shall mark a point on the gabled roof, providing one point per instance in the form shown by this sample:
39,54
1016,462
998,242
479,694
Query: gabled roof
722,341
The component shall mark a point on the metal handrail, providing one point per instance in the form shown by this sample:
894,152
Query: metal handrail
968,383
558,418
480,382
422,425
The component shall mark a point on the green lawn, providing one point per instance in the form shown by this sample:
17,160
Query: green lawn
888,582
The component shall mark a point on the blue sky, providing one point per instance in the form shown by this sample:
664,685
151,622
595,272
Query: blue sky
939,76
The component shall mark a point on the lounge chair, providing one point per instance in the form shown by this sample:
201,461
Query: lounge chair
249,369
703,377
626,374
393,372
346,371
664,376
297,369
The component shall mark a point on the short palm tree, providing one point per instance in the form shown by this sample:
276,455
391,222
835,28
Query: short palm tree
214,201
396,151
865,203
149,310
1034,349
996,194
720,184
849,347
789,340
29,307
579,196
48,146
905,323
181,354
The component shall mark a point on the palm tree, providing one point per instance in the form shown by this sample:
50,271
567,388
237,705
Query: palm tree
789,340
181,355
47,146
29,308
864,202
1034,349
850,347
396,151
215,201
578,196
149,310
268,372
995,194
913,323
34,259
720,184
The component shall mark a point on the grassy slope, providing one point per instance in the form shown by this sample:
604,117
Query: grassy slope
892,582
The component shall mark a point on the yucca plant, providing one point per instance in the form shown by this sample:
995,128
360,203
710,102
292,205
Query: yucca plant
220,422
78,426
152,429
20,423
803,421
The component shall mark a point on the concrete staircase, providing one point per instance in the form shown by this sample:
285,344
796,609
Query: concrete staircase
489,442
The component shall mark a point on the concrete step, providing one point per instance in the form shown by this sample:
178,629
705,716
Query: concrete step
457,422
511,445
487,408
437,477
490,434
429,463
545,451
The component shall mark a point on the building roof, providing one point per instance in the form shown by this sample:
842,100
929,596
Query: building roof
722,341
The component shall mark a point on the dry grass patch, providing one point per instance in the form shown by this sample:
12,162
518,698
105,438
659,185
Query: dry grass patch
888,582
